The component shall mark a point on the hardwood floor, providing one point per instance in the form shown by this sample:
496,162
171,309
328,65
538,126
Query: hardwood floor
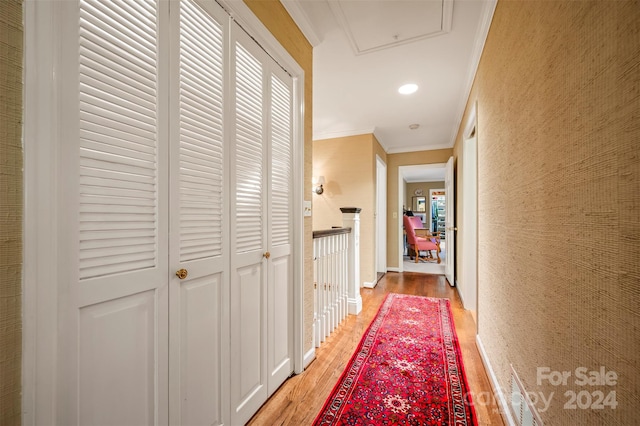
300,398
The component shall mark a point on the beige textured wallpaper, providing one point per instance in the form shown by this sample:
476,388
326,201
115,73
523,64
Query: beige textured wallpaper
274,16
11,50
558,95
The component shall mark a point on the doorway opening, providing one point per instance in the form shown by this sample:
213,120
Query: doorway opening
437,211
381,218
415,187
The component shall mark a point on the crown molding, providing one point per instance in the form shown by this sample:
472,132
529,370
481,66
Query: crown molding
301,19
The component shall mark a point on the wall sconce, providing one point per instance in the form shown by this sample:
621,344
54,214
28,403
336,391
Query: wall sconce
318,182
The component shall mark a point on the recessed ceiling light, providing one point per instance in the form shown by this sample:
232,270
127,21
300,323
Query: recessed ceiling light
408,89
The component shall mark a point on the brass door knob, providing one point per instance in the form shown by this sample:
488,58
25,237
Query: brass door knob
266,255
182,274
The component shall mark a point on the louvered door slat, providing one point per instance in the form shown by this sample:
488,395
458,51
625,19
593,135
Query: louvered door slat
118,136
111,241
101,84
135,47
108,114
100,252
249,151
116,105
200,167
123,236
192,111
96,142
103,221
91,206
201,134
107,52
196,146
126,163
199,65
117,76
118,178
281,173
98,132
122,201
113,16
102,264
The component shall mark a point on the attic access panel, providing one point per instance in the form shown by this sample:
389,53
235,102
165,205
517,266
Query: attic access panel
372,25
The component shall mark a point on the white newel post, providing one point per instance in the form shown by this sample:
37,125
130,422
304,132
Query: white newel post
351,219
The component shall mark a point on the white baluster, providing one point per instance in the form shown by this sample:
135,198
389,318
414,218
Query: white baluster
334,282
327,279
320,291
325,290
316,299
344,238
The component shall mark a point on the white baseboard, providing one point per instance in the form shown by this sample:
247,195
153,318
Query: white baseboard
367,284
393,269
354,306
497,390
457,290
308,357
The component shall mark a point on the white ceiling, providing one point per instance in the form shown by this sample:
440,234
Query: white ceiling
364,50
423,173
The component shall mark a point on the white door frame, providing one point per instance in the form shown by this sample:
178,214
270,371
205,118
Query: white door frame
450,229
401,200
468,288
381,216
41,234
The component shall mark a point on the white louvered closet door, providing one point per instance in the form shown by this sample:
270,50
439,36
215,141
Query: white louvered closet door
198,243
248,243
261,174
279,227
112,229
174,220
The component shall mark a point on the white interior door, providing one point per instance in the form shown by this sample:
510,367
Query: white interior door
381,216
198,287
450,230
279,228
261,228
248,242
149,145
469,282
113,283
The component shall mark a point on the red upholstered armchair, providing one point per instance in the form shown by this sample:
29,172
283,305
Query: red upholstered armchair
420,239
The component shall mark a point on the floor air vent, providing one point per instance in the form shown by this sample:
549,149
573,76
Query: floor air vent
522,408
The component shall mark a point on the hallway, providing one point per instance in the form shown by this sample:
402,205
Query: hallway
299,400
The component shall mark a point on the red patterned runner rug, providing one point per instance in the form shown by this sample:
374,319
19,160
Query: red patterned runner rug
407,370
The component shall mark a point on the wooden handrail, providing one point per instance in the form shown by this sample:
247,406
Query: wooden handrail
333,231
